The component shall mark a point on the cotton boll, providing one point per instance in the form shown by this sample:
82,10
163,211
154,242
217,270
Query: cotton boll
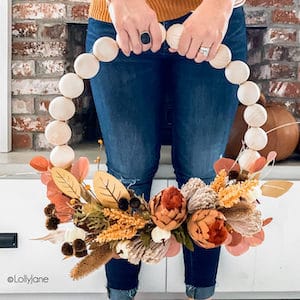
159,235
73,234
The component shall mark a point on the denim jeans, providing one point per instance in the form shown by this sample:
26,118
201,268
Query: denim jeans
128,95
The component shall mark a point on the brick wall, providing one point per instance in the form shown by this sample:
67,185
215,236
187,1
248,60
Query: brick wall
40,54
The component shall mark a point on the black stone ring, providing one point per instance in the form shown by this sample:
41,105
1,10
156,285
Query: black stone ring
145,37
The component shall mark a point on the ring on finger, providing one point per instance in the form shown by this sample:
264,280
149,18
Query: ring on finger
145,37
204,51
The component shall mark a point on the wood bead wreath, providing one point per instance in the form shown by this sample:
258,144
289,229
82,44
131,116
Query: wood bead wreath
106,49
110,219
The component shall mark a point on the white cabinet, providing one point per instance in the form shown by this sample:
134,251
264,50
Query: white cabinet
22,204
271,267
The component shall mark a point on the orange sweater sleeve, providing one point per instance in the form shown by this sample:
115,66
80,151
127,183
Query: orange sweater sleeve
165,9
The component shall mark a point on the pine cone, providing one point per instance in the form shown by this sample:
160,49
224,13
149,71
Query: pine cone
189,189
156,252
248,224
206,227
203,198
168,209
136,250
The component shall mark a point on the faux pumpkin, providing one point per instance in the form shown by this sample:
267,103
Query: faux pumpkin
283,140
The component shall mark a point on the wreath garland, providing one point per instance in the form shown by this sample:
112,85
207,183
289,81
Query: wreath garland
110,220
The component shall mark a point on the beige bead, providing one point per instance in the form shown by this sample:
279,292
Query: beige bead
248,93
163,32
62,156
86,65
256,138
222,58
255,115
173,35
58,133
247,158
61,108
237,72
71,85
106,49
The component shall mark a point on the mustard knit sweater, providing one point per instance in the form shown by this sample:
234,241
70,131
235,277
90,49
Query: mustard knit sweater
165,9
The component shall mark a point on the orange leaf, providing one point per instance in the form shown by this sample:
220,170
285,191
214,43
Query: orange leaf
46,177
239,249
256,239
236,238
80,168
174,247
258,165
40,163
275,188
267,221
63,210
227,164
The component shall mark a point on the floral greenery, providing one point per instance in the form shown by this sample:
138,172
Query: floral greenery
109,220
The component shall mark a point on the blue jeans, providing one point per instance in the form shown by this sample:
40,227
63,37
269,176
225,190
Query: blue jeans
128,95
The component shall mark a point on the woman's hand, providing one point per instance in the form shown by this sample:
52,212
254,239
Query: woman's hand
130,19
205,27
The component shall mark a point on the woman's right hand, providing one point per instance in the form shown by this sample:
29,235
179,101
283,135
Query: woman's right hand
131,18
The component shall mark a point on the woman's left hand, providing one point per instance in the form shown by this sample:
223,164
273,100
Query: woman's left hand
205,27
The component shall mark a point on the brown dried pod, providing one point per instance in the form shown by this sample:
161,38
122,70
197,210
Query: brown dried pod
207,229
168,208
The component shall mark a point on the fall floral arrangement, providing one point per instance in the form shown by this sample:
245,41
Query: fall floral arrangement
110,220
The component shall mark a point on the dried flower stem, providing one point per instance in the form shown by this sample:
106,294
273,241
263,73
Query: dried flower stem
92,262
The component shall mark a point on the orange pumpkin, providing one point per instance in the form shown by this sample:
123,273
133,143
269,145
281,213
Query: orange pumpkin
284,140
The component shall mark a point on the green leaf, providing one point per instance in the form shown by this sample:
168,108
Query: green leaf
145,238
183,237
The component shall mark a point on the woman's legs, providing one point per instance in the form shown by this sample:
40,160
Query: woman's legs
204,108
127,94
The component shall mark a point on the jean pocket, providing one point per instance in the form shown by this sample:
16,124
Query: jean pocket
97,29
235,37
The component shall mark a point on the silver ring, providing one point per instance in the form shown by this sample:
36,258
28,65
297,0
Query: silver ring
145,37
204,51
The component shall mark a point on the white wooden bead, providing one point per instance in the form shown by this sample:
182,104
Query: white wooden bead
256,138
106,49
247,158
237,72
61,108
58,133
248,93
86,65
255,115
222,58
163,32
173,35
71,85
62,156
